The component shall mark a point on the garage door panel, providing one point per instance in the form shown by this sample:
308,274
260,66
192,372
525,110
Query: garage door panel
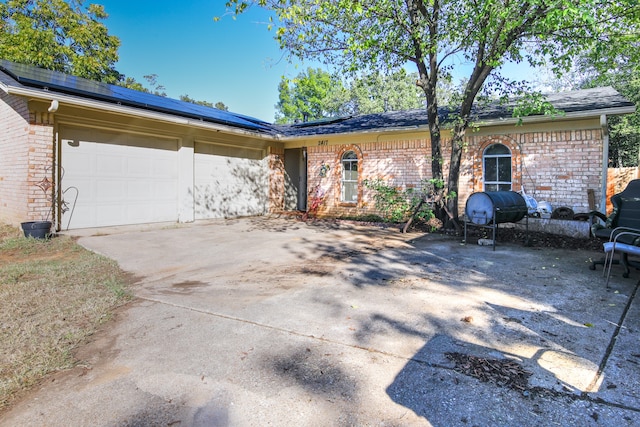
107,190
229,185
121,179
106,164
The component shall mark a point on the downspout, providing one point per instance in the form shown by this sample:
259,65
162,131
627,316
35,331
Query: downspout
56,199
605,163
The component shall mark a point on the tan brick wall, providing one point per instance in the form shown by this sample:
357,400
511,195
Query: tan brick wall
14,129
557,167
276,179
26,157
401,163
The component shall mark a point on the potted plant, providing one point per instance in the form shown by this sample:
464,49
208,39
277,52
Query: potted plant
40,229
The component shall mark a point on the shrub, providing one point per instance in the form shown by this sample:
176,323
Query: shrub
396,205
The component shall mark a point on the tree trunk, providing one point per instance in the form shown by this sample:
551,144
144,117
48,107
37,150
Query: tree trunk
455,163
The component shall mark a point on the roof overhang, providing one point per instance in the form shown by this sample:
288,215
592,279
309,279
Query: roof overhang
49,96
574,115
506,121
130,111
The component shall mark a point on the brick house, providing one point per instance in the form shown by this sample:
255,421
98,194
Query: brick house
87,154
557,159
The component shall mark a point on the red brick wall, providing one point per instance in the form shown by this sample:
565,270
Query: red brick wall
26,157
557,167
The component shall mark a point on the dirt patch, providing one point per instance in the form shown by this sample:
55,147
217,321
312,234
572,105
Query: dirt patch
55,295
503,235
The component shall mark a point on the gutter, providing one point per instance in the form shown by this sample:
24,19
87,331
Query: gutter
130,111
575,115
386,130
605,163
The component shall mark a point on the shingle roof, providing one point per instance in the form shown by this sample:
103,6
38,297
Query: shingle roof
586,100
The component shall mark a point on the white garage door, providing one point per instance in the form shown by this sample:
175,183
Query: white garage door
230,181
119,178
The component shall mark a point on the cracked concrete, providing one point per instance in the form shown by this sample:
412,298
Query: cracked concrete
267,321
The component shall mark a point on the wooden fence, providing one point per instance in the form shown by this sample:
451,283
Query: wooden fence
617,180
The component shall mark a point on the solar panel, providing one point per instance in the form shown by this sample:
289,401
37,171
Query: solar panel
29,75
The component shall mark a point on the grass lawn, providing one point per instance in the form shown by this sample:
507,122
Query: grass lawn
54,295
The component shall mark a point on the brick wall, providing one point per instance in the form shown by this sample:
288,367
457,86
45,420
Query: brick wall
556,167
276,179
14,128
401,163
26,158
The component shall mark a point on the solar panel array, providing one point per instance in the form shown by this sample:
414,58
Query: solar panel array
29,75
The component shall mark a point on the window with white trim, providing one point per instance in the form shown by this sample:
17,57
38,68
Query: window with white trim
349,180
496,161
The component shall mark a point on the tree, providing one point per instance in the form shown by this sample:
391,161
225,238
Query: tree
624,131
305,97
380,92
434,35
365,94
613,61
152,80
59,35
221,106
218,105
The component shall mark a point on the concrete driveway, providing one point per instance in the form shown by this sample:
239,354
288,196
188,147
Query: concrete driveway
267,321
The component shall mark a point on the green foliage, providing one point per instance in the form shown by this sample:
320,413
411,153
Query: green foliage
317,94
219,105
59,35
615,61
396,205
187,98
534,104
305,97
380,92
152,81
624,131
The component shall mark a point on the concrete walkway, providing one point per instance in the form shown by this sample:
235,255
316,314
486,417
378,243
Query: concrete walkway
267,321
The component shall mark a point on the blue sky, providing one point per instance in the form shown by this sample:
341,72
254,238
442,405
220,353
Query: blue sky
234,61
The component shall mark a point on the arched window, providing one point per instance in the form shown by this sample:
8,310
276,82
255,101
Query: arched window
497,168
349,181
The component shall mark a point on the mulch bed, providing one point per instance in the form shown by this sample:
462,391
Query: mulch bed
502,372
535,239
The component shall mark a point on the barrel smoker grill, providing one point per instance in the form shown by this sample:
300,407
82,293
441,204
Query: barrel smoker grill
489,209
